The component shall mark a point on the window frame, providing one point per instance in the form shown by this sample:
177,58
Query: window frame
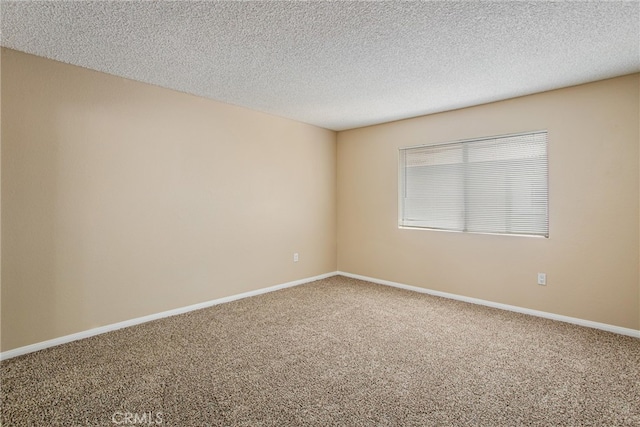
401,185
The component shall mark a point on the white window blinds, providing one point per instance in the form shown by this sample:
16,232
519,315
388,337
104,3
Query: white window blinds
488,185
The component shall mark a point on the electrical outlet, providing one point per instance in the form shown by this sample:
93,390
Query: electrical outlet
296,257
542,279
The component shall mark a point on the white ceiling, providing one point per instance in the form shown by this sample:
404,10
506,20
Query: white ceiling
337,65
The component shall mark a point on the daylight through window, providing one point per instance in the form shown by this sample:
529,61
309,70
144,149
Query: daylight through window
489,185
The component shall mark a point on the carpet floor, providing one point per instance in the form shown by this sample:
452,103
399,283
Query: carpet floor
336,352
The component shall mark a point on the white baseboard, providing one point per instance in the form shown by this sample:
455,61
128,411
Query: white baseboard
108,328
581,322
115,326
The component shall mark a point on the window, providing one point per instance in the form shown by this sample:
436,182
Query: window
488,185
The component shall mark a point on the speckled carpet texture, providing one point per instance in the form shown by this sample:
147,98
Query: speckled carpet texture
336,352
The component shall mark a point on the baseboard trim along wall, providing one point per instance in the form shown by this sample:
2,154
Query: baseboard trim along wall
581,322
108,328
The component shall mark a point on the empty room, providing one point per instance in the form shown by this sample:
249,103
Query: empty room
320,213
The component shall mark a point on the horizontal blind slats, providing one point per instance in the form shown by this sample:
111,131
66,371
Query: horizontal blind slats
493,185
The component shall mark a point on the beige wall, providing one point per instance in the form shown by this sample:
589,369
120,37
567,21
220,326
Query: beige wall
592,256
121,199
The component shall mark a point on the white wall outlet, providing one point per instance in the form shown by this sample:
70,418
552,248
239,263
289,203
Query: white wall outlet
296,257
542,279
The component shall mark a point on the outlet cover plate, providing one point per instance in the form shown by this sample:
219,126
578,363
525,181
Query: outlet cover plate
542,279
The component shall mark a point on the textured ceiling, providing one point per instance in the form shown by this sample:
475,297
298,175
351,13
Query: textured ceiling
338,65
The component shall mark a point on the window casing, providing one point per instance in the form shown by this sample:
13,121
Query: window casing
489,185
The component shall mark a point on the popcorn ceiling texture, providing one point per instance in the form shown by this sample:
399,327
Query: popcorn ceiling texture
337,65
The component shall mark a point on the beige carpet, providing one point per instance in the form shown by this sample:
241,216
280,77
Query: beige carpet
337,352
